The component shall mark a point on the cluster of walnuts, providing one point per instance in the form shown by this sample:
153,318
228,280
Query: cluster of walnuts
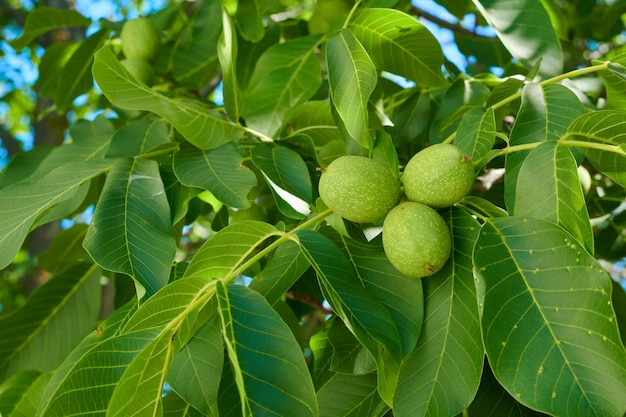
416,239
141,44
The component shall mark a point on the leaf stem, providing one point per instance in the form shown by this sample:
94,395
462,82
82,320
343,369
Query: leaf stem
566,142
561,77
159,152
284,237
593,145
347,21
259,135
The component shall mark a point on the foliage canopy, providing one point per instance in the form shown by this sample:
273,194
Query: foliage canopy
212,280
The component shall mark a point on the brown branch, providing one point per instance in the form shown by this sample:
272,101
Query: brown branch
454,27
307,299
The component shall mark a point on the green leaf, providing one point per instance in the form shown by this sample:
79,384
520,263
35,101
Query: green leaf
199,125
197,368
138,391
442,374
314,119
285,76
282,270
476,133
249,18
57,315
194,59
348,355
524,27
28,402
485,207
69,393
606,127
266,356
15,388
557,349
385,151
220,170
402,296
412,118
368,319
23,164
174,406
548,188
489,52
462,96
614,79
44,19
75,76
493,401
351,396
225,251
66,249
352,79
229,401
541,118
130,229
284,169
51,67
90,140
25,202
138,138
184,298
227,55
398,43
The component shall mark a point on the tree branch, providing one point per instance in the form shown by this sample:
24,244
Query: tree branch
454,27
307,299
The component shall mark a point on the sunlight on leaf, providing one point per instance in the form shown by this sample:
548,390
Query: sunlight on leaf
352,78
24,203
605,127
398,43
524,27
199,125
285,76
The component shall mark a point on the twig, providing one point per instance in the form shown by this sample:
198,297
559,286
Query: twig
454,27
308,299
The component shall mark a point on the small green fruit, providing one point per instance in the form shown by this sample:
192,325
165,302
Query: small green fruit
139,68
438,176
359,189
140,39
416,239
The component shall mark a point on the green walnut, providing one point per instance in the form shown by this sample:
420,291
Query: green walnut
359,189
416,239
438,176
139,68
141,39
